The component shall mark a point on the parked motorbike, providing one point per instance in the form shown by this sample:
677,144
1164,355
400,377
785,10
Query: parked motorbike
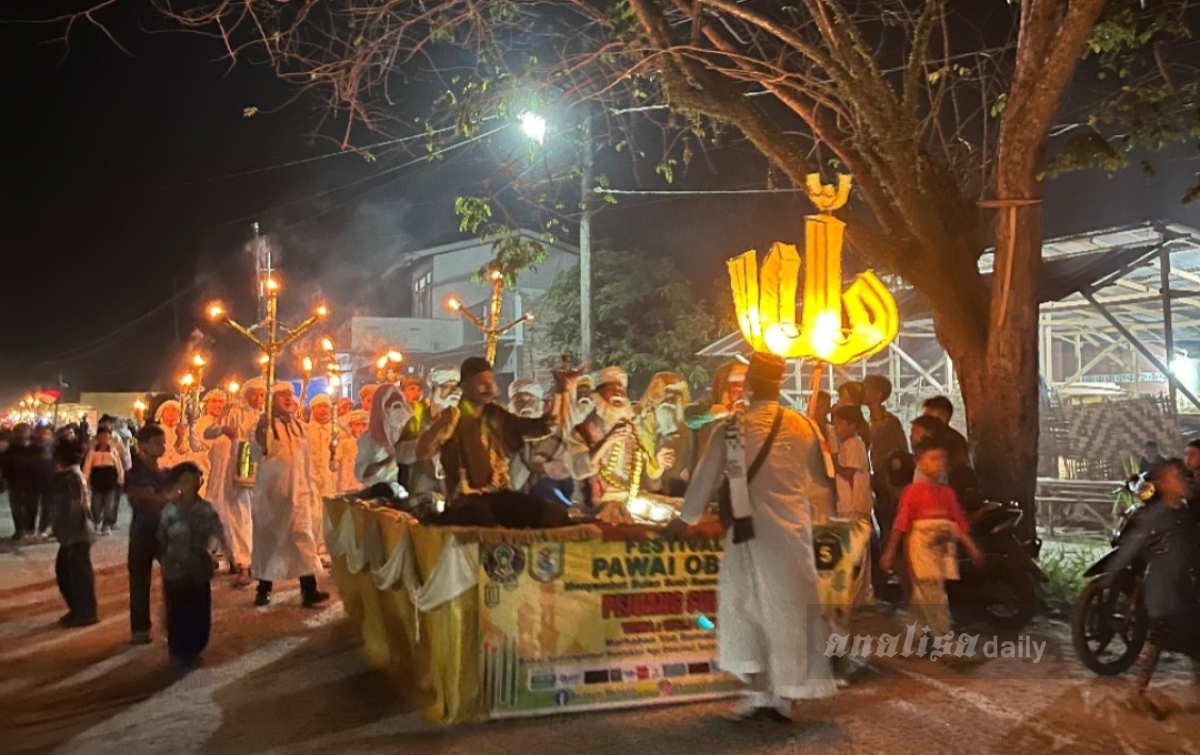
1109,623
1003,591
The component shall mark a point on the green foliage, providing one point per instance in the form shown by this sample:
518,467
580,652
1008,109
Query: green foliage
647,316
1065,565
512,251
1151,84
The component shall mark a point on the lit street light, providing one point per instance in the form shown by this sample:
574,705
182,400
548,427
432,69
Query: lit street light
533,125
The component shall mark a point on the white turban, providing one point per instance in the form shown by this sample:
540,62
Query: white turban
283,386
254,384
525,385
216,393
444,373
158,413
320,398
612,375
358,415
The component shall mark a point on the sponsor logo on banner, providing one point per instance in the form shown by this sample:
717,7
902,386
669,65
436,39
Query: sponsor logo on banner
504,563
547,562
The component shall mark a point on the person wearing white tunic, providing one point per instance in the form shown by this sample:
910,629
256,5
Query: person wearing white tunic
182,445
770,629
347,452
284,494
216,471
381,450
237,425
321,463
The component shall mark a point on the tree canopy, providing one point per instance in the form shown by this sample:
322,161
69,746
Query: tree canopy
648,316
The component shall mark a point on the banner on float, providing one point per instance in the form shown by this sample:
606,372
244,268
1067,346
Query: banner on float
591,625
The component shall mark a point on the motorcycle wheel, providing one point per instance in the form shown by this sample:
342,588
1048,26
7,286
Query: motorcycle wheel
1019,603
1104,615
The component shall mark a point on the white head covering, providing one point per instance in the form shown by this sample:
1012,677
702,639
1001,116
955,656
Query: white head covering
216,393
158,413
587,380
283,386
253,384
524,385
612,375
320,398
387,423
358,415
444,373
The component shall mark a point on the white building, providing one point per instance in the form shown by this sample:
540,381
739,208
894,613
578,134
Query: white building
433,334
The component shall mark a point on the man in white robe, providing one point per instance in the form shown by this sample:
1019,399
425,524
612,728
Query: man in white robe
182,444
540,467
237,426
771,631
321,463
216,466
347,452
284,494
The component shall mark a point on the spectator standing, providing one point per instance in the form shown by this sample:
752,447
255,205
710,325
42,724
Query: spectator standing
187,529
105,473
149,490
68,496
43,439
22,469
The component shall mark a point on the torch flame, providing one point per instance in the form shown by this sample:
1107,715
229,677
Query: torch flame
381,362
233,387
326,344
307,364
322,310
497,275
264,359
272,284
215,311
187,380
139,405
395,356
453,304
334,381
198,360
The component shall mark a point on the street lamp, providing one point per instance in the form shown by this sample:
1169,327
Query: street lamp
534,127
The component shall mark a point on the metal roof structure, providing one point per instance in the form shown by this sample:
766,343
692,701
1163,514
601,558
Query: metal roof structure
1120,307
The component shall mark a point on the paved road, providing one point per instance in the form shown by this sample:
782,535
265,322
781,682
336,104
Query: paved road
286,680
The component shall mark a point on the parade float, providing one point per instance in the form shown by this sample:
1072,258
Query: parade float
477,624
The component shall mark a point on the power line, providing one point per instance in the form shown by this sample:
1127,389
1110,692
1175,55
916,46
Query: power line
693,192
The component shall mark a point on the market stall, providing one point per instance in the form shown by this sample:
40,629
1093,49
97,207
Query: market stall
485,623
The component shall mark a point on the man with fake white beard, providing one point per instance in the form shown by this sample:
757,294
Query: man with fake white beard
444,392
539,468
601,450
238,426
284,496
771,632
476,441
382,450
320,463
660,414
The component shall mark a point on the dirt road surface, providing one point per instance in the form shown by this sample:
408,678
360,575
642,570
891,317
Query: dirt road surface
286,680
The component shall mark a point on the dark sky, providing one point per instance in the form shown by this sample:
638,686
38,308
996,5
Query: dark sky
117,193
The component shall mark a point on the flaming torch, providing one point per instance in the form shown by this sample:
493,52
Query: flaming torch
333,373
139,411
492,330
386,366
306,366
273,342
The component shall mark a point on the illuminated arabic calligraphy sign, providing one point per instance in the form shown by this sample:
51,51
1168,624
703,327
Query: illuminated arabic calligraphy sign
836,326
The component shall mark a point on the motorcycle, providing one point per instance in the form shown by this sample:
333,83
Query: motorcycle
1109,623
1003,591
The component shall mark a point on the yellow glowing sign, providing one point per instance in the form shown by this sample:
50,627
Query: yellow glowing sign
836,326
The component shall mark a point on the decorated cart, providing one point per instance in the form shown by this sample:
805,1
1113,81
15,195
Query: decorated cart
473,623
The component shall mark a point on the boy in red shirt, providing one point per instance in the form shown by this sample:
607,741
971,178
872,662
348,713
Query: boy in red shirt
932,523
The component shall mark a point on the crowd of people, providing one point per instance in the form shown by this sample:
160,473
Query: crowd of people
229,485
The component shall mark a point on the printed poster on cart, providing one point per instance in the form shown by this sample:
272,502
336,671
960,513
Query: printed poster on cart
592,625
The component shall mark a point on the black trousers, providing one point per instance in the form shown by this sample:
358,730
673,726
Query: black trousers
76,580
308,585
104,506
143,552
24,507
189,618
506,508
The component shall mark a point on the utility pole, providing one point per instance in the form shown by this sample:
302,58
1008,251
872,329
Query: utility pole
585,246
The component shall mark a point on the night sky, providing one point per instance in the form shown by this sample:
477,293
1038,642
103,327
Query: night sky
118,197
